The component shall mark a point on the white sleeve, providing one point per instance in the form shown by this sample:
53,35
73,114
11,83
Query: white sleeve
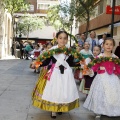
87,60
92,74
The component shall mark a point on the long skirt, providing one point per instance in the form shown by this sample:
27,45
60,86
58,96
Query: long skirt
60,94
104,95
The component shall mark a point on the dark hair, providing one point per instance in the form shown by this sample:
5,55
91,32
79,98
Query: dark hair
98,46
60,32
38,45
105,34
47,44
109,38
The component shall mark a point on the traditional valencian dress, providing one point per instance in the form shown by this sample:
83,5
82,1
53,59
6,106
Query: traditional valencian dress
85,54
104,95
57,93
87,78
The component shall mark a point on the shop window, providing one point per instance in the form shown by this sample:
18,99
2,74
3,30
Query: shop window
31,8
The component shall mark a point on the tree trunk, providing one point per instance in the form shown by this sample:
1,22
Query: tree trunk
87,26
13,32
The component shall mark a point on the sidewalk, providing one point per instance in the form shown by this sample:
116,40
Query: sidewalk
9,57
16,84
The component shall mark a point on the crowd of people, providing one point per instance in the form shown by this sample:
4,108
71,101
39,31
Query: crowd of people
56,90
29,50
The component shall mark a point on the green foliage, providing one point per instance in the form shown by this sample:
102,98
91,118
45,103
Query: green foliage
84,9
60,16
29,23
14,6
1,13
64,50
54,18
103,59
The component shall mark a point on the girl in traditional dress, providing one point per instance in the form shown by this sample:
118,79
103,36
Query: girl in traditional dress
88,79
86,53
104,95
78,71
56,89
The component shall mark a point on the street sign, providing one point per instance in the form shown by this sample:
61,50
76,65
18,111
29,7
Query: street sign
109,10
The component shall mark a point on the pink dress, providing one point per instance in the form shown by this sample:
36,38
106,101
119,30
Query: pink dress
104,95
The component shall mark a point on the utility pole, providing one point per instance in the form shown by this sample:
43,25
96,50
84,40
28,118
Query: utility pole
112,22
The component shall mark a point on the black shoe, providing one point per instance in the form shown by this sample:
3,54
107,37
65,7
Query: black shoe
27,59
37,72
34,71
53,115
59,113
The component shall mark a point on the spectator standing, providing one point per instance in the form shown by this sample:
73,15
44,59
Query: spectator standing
117,51
21,49
12,49
104,36
92,40
81,40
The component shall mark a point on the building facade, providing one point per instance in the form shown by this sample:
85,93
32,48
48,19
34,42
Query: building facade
5,33
101,22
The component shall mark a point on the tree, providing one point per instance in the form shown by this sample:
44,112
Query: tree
14,6
84,9
29,23
60,15
53,17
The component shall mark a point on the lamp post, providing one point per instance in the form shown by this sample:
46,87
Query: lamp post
112,22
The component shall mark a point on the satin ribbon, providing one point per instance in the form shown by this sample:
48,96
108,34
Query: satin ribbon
50,71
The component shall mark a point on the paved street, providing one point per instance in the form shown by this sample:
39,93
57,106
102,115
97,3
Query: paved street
16,84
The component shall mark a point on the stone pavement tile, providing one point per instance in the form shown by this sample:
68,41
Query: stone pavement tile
20,87
29,72
13,107
16,95
82,116
35,77
46,116
39,117
3,87
81,109
6,82
34,110
1,92
24,81
14,72
16,116
7,77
